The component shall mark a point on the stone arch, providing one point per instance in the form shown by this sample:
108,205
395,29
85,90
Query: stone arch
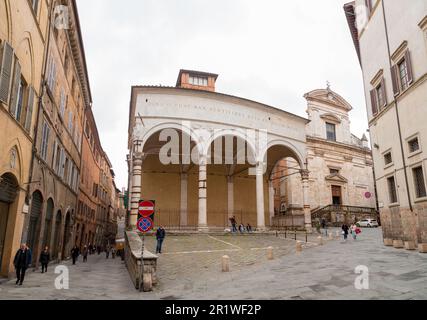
239,133
6,16
296,154
169,125
26,43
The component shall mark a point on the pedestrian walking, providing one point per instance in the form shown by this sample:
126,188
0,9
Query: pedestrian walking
44,259
324,226
99,250
233,224
242,228
160,236
113,253
85,253
21,262
345,231
75,252
355,231
249,228
107,251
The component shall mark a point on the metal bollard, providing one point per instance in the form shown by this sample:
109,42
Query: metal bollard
225,264
298,247
270,255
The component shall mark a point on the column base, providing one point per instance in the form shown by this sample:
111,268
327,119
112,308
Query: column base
398,244
388,242
422,247
410,245
203,229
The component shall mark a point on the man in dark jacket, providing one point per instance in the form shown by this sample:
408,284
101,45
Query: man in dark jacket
75,252
21,262
44,259
160,236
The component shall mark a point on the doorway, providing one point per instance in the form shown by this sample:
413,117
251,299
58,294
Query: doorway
336,195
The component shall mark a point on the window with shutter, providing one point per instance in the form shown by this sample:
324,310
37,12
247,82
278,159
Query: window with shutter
409,67
45,140
30,105
374,102
15,89
5,72
392,190
395,80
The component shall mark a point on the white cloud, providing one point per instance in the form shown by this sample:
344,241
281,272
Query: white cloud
269,51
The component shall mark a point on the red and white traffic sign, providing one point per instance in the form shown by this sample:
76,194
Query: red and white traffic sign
146,208
145,224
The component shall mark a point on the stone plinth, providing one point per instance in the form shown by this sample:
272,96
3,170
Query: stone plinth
422,247
388,242
398,244
410,245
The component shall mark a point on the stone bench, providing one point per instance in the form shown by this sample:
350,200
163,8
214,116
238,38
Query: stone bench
143,281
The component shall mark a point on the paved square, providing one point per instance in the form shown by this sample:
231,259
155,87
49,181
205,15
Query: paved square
190,268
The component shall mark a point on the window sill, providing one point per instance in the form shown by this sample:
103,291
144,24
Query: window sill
415,153
419,200
394,205
388,165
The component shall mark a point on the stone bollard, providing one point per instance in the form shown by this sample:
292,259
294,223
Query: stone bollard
338,234
298,247
331,236
320,241
147,284
270,255
225,264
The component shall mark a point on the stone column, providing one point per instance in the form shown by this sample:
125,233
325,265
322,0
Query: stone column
230,196
260,196
271,200
306,202
136,188
184,200
203,217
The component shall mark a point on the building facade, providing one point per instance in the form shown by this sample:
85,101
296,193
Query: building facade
223,163
45,99
390,38
23,38
340,164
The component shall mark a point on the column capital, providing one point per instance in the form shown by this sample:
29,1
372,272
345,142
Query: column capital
138,157
305,174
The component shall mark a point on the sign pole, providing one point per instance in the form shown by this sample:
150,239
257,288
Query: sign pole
141,286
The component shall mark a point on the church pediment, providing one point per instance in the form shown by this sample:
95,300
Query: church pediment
328,96
336,178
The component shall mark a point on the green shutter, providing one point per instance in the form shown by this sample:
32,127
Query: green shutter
6,72
30,106
15,88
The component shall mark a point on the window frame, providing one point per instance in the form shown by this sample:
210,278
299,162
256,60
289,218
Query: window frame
409,140
389,191
423,197
334,126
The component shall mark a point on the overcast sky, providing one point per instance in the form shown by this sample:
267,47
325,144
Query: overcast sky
269,51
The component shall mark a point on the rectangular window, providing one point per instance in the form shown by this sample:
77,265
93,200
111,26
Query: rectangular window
334,171
403,74
420,187
380,95
45,140
392,189
19,101
70,123
51,78
413,145
331,132
199,81
388,158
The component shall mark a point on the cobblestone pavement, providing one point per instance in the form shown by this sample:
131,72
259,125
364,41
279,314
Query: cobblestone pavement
190,266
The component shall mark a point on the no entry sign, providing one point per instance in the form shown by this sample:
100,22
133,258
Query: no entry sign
146,208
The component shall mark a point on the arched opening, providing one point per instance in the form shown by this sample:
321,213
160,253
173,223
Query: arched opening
67,235
48,225
230,185
170,177
284,187
33,237
8,195
57,237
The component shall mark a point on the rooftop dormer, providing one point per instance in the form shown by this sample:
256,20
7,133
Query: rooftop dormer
196,80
